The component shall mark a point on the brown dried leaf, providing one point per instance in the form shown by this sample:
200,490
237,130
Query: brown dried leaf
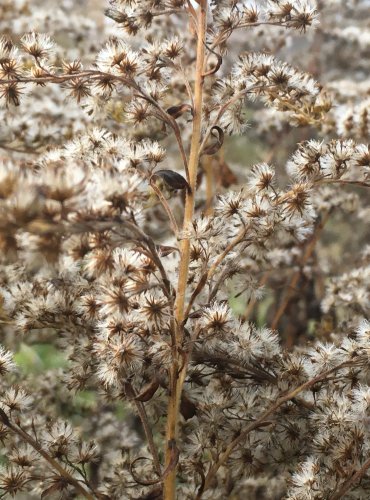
172,179
148,391
4,418
187,408
174,458
217,66
177,111
219,135
164,250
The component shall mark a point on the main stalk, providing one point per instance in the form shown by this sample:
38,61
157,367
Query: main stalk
178,368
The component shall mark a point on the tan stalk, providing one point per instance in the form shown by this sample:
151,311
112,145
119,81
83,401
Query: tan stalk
177,374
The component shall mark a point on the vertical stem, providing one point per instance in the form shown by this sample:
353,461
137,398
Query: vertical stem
146,426
193,159
177,376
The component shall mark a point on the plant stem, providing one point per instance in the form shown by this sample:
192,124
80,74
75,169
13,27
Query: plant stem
347,485
146,426
167,208
54,464
214,267
176,378
284,398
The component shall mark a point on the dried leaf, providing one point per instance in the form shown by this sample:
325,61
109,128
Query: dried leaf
172,179
174,458
214,69
140,481
148,391
212,148
187,408
177,111
192,17
4,418
164,250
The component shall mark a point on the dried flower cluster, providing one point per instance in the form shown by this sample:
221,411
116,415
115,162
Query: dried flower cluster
213,341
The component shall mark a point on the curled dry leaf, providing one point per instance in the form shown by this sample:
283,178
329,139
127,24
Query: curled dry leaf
148,391
177,111
172,179
212,148
174,458
217,66
164,250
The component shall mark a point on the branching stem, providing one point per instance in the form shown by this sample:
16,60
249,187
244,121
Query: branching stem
54,464
284,398
347,485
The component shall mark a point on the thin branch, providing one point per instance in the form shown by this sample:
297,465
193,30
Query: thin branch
146,426
224,35
213,268
232,366
169,120
224,273
284,398
350,182
167,208
347,485
28,151
51,461
187,85
168,289
169,11
96,74
208,170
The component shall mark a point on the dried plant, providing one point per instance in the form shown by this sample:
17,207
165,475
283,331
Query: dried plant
134,248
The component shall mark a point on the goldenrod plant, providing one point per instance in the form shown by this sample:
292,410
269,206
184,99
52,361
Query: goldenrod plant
209,312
